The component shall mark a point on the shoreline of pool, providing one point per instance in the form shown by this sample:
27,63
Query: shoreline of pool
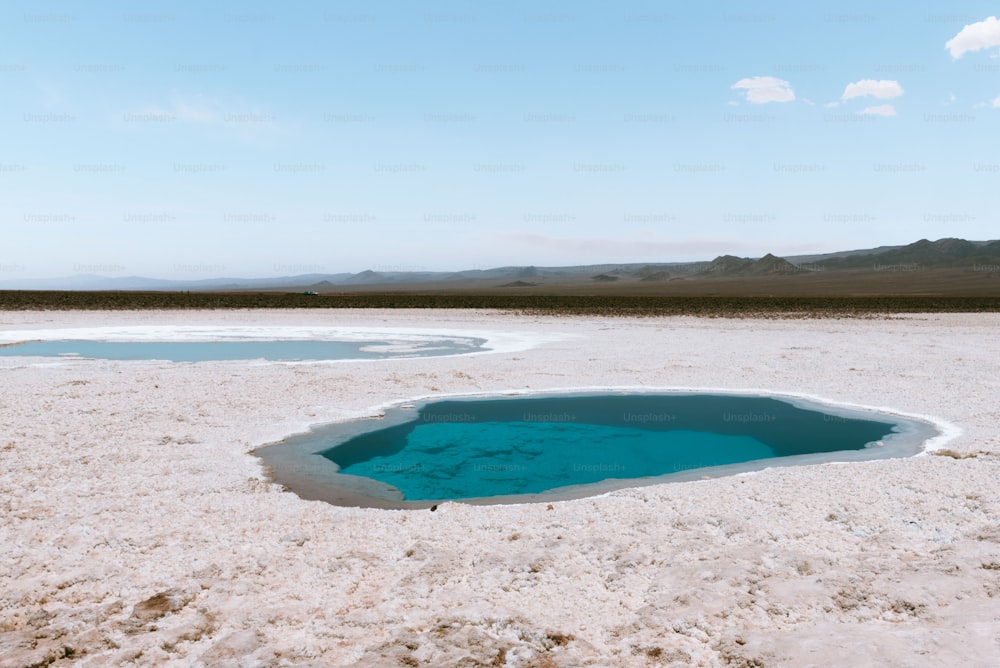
295,463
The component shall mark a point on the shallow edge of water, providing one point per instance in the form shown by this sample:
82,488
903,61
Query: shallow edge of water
295,463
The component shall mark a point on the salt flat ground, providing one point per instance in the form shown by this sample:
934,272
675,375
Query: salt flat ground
135,528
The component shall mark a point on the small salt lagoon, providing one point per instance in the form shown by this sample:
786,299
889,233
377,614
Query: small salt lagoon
209,351
514,449
274,344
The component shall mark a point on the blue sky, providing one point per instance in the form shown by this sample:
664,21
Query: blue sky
257,138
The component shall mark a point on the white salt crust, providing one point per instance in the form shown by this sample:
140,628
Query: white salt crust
135,528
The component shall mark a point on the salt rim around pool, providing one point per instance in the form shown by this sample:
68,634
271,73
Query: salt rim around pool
388,340
297,463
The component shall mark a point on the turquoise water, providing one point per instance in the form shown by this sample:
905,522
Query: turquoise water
204,351
497,458
482,448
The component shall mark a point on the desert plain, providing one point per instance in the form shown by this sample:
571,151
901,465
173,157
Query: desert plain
138,529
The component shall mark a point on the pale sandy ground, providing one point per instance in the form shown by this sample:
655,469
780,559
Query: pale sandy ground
136,529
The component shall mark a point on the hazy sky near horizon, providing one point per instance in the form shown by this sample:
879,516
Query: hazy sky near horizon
193,140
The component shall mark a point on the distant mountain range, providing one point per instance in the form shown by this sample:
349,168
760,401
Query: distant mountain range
923,254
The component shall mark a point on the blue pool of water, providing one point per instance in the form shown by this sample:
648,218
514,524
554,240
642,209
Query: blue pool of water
538,446
204,351
451,461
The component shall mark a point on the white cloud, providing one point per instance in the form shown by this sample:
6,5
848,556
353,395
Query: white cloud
880,110
238,119
645,245
195,112
974,37
215,112
883,89
760,90
176,108
996,102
